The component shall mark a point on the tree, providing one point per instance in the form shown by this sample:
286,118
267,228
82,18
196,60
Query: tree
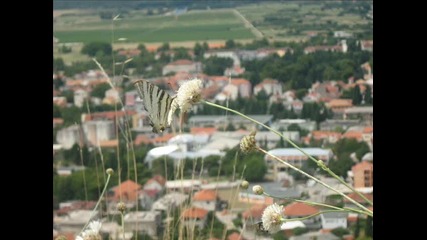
340,232
368,96
300,230
164,166
71,115
230,44
255,167
97,48
164,47
198,51
368,227
216,66
99,90
56,111
230,127
181,53
58,64
356,95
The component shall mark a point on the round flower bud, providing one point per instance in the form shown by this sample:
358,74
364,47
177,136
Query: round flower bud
121,207
244,185
257,189
110,171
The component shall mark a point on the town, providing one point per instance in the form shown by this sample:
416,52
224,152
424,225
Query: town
186,182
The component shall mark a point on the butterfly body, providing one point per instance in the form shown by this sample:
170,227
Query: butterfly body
157,102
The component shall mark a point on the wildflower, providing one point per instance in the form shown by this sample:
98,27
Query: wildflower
272,218
121,207
189,93
92,232
248,143
244,185
257,189
110,171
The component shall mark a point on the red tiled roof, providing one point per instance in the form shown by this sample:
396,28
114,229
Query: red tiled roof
109,115
364,165
157,178
203,130
325,134
216,45
235,236
205,195
141,138
368,130
254,212
239,81
128,189
300,209
67,235
109,143
164,138
129,52
359,199
194,213
353,134
150,192
58,121
340,103
181,62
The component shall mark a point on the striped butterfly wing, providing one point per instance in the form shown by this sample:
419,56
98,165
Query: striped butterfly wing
157,102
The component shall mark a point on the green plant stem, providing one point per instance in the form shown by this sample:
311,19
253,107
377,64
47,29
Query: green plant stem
123,225
318,204
368,212
99,201
318,162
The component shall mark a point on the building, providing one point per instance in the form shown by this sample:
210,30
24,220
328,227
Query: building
315,235
222,121
193,216
363,113
338,106
270,87
283,124
331,220
205,199
294,157
367,45
183,185
223,54
147,222
69,136
363,175
98,131
127,191
80,97
112,96
170,201
182,65
300,210
323,136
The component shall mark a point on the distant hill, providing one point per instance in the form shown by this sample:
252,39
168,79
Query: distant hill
135,4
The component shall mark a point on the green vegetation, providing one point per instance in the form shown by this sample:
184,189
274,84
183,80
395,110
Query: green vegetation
194,25
292,21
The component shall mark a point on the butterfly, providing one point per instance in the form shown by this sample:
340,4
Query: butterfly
258,227
158,103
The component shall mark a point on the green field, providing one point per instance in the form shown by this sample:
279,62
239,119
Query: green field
191,26
292,21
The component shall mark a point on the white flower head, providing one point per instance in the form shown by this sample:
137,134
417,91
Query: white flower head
92,232
189,93
272,218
